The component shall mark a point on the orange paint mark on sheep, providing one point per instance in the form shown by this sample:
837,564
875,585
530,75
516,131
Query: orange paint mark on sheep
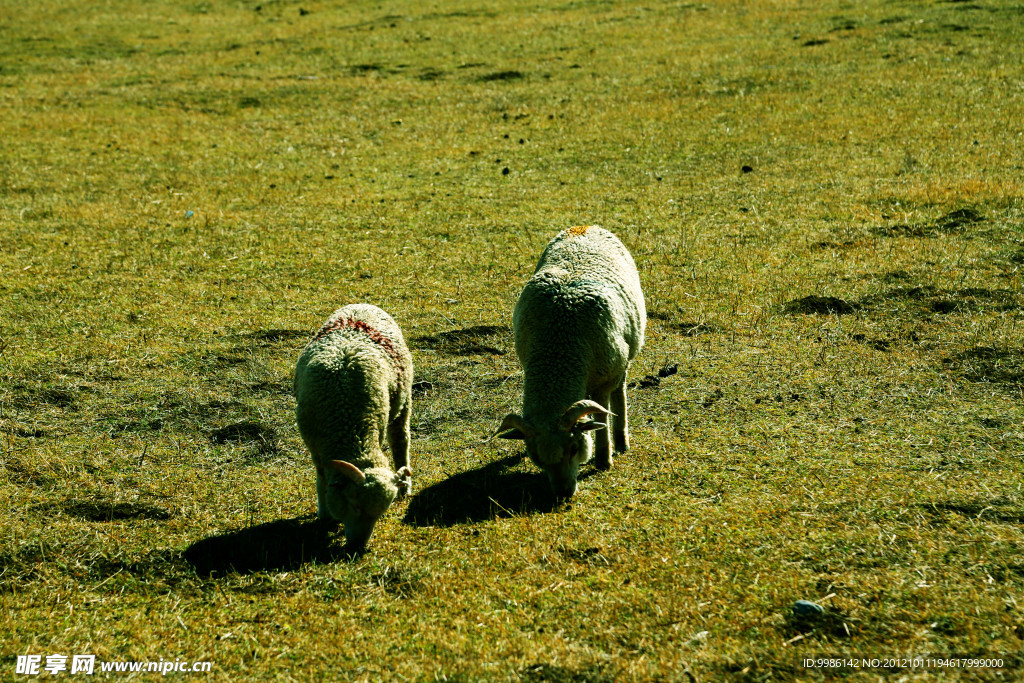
578,230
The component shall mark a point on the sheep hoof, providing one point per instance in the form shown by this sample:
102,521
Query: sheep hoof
405,486
603,464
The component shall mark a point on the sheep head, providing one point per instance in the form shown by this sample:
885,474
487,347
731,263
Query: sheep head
560,450
358,498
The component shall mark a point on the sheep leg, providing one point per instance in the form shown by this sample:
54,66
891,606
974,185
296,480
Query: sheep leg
621,428
321,500
603,438
398,437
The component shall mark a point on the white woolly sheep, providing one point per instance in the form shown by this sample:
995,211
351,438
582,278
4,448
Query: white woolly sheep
578,323
353,388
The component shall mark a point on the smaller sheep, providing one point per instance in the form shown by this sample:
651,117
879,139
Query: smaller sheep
353,388
578,323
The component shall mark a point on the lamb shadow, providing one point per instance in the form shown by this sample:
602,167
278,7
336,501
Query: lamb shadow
487,492
281,545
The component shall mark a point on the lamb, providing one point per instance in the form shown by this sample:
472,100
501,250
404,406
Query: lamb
353,389
578,323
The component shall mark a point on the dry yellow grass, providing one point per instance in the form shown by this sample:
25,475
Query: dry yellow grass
825,205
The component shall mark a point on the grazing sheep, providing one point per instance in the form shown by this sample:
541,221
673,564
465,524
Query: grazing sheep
353,388
578,323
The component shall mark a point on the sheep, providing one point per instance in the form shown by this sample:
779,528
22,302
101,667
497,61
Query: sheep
353,389
578,323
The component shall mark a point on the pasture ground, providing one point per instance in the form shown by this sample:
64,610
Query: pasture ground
824,200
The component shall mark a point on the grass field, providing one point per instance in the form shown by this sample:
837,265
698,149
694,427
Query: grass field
825,204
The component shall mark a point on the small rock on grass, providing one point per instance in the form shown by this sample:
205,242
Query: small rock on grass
806,608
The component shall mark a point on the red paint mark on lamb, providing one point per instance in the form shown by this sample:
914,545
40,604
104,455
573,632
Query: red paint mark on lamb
375,335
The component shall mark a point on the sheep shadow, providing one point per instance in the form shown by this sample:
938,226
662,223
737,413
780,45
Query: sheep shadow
281,545
487,492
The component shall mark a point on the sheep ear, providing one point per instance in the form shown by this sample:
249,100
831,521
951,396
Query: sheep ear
589,425
404,471
513,427
578,411
348,469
